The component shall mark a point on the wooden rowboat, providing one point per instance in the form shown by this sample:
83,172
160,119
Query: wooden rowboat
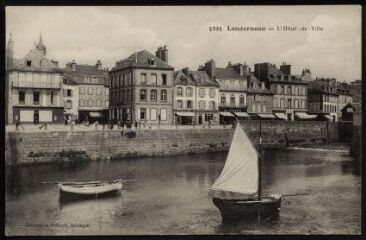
89,189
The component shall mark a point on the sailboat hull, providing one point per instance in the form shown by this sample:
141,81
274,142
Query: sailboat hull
267,207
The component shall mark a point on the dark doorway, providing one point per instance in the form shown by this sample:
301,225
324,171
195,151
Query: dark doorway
36,117
200,119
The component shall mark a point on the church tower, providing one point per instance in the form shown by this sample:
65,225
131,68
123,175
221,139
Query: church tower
40,46
10,52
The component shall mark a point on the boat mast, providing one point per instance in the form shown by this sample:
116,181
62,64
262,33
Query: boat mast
260,162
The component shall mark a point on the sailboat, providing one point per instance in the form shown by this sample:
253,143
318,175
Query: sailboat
90,189
237,191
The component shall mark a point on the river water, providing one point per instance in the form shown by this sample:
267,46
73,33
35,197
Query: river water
169,195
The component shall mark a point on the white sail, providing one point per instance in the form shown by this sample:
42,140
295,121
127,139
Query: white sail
240,173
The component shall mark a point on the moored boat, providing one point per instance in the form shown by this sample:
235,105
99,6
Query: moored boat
237,191
89,189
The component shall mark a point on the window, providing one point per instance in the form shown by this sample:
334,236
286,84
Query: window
282,103
143,79
151,61
232,100
68,104
69,92
99,103
289,90
154,79
254,108
179,91
264,108
82,90
302,103
51,98
296,103
29,63
212,93
189,92
288,103
201,104
164,79
143,94
99,91
90,91
189,104
21,98
81,102
211,105
90,102
153,114
106,92
153,94
275,102
202,92
163,114
241,101
163,95
106,104
142,113
223,101
208,117
179,104
282,90
36,98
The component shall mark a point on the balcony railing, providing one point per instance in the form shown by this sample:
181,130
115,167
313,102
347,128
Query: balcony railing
36,85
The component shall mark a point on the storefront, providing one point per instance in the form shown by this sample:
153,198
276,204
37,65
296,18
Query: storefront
226,118
281,116
184,118
303,116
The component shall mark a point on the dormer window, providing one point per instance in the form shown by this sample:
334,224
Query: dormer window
29,63
152,61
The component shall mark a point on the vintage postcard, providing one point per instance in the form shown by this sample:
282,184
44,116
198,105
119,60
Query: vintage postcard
183,120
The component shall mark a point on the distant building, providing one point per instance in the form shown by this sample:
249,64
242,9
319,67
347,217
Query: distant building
33,87
344,97
355,89
290,91
71,99
142,89
306,75
196,98
323,98
347,112
259,99
93,91
233,86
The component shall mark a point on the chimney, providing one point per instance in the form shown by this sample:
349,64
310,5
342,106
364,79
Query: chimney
246,69
159,53
229,64
210,68
98,65
73,65
185,71
164,54
285,68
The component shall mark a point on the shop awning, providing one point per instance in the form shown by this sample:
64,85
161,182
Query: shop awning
266,115
304,115
95,114
329,117
226,114
185,114
241,114
281,116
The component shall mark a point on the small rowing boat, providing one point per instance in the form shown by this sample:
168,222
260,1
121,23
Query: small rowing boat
89,189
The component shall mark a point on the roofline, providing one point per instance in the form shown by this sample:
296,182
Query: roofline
149,68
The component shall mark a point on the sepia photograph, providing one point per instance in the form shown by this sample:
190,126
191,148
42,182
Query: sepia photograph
183,120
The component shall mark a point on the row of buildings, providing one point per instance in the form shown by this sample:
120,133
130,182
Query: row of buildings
144,88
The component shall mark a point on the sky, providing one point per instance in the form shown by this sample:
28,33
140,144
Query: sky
87,34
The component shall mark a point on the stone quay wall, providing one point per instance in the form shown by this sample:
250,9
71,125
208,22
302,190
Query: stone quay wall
67,146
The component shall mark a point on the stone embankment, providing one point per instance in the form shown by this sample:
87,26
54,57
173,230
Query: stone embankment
29,147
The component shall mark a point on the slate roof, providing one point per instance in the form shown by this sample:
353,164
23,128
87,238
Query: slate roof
202,79
251,79
227,73
142,61
181,78
76,77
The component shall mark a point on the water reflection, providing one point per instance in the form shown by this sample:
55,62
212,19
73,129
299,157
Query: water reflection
169,195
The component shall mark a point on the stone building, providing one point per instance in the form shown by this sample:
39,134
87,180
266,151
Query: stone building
93,90
259,99
33,87
344,97
142,89
323,98
233,86
290,91
71,99
196,98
